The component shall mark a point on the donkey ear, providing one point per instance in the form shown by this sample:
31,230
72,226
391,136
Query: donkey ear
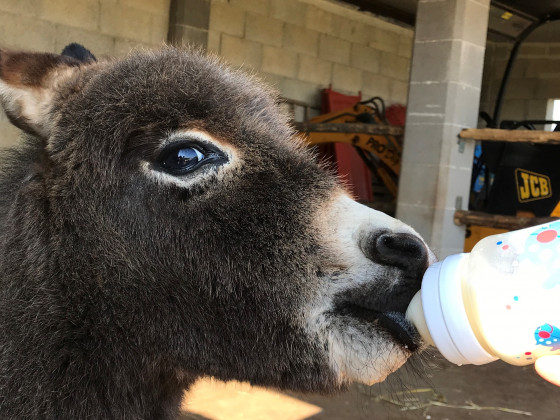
79,52
28,84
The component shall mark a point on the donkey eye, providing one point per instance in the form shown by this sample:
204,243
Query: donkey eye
180,160
183,159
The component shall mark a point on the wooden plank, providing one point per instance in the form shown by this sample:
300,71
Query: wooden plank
523,136
498,221
375,129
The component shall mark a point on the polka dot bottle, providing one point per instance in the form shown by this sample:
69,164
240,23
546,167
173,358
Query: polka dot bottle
500,301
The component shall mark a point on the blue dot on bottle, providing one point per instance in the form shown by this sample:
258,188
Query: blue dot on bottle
499,243
516,298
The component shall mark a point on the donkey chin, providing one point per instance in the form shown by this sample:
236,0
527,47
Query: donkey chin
160,222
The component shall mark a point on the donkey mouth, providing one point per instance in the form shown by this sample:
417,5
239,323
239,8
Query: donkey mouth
394,323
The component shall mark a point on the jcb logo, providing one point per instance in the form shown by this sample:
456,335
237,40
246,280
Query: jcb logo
532,186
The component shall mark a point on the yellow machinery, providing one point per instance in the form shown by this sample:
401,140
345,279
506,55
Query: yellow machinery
364,126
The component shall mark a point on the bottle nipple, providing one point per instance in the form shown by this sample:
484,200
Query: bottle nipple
415,314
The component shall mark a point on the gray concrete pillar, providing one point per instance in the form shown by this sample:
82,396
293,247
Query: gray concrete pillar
443,98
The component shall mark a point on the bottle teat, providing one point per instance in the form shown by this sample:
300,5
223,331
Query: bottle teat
438,313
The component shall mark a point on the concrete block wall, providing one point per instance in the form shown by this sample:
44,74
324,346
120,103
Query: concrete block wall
535,79
302,46
106,27
445,87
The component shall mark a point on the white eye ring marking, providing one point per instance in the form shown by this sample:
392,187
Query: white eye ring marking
198,176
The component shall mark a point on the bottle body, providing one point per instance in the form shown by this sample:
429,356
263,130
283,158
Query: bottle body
500,301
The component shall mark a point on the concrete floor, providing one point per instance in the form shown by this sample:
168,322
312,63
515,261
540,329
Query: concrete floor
441,392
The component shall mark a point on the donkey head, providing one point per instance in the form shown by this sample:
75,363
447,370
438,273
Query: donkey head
164,222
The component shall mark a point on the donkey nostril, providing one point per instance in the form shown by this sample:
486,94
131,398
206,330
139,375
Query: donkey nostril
400,249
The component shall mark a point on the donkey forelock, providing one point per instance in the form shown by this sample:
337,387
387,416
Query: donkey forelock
162,222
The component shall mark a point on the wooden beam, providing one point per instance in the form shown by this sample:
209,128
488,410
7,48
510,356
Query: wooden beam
497,221
514,136
375,129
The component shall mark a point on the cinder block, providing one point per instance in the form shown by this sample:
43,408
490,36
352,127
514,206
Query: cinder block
456,179
375,85
15,33
125,46
126,22
498,68
279,61
394,66
514,109
365,58
532,49
302,91
334,49
272,80
472,22
301,40
21,7
99,44
156,7
419,188
464,20
350,30
398,92
430,61
347,78
314,70
548,88
465,52
160,29
536,108
382,39
502,51
522,88
543,67
82,14
263,29
519,69
553,49
214,41
405,46
241,52
428,98
227,19
423,143
420,217
461,104
447,238
319,20
431,12
256,6
186,35
193,13
290,11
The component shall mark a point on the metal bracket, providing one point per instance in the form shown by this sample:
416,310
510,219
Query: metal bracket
458,203
461,142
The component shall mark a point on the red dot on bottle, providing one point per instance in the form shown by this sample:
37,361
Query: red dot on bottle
544,334
505,247
508,307
527,353
547,236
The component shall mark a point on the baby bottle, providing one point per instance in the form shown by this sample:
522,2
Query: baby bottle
500,301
